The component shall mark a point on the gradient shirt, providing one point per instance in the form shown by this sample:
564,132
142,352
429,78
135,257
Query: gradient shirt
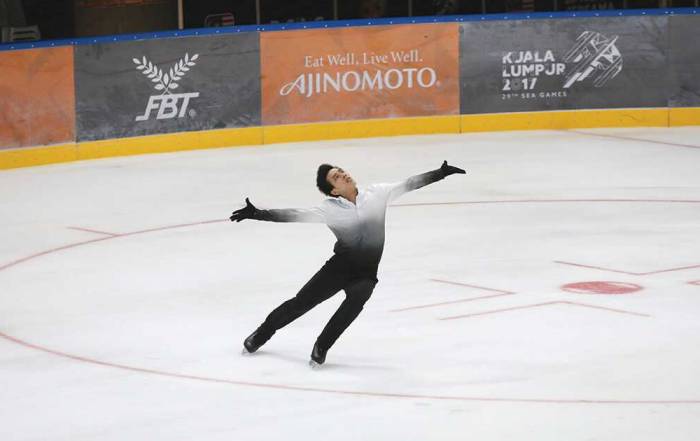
359,227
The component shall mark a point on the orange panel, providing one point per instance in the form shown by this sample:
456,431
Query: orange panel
360,73
37,97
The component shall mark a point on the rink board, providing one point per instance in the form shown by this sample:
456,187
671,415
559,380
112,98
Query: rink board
251,88
350,129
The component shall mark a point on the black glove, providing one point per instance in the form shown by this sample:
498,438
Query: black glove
247,212
450,170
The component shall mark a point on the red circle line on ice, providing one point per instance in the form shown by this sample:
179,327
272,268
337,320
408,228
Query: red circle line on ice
171,374
602,287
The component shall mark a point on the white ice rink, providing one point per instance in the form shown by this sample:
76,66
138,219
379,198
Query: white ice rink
125,294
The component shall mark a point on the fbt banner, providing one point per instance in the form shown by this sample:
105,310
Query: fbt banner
359,73
596,63
171,85
37,100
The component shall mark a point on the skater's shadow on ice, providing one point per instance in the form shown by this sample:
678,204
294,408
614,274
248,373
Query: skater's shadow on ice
278,356
328,366
350,367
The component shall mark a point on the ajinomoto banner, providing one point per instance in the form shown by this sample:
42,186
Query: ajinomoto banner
37,100
359,73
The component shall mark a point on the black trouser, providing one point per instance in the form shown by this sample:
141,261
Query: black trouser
338,273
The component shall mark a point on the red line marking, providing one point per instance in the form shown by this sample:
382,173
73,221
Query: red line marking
627,272
695,282
672,269
471,299
171,227
93,231
595,267
77,244
627,138
472,286
604,308
553,201
331,391
430,305
536,305
52,250
495,311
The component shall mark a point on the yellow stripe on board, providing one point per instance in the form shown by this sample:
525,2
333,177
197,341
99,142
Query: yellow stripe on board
26,157
684,116
369,128
173,142
570,119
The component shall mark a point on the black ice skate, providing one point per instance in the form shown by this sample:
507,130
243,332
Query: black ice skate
252,343
318,356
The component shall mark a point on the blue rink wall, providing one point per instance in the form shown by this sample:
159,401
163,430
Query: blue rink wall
194,89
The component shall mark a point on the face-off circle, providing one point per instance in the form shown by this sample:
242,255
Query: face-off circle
611,288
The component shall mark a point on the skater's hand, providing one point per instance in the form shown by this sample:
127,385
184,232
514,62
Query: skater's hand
450,170
247,212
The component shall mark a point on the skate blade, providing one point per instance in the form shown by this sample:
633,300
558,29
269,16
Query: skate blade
244,351
314,365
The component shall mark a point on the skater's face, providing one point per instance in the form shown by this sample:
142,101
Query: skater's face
343,184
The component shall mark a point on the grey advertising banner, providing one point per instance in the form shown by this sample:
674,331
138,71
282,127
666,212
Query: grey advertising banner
167,85
684,60
581,63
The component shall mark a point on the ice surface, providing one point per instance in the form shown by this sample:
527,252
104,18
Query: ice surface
125,294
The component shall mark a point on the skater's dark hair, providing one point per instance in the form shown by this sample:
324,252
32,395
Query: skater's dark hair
322,181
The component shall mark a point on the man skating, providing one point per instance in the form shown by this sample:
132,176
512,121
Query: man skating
357,219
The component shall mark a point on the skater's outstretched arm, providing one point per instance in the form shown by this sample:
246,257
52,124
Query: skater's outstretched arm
314,215
418,181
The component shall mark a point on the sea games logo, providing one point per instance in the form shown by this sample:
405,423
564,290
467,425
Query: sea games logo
594,56
169,105
365,71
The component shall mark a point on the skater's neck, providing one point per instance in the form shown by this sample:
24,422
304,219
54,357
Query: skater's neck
351,196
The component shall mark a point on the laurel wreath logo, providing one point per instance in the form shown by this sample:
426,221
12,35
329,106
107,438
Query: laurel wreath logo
166,81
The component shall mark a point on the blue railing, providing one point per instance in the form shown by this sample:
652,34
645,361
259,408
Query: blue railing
349,23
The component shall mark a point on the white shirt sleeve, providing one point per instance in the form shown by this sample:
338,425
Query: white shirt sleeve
391,190
396,189
307,215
